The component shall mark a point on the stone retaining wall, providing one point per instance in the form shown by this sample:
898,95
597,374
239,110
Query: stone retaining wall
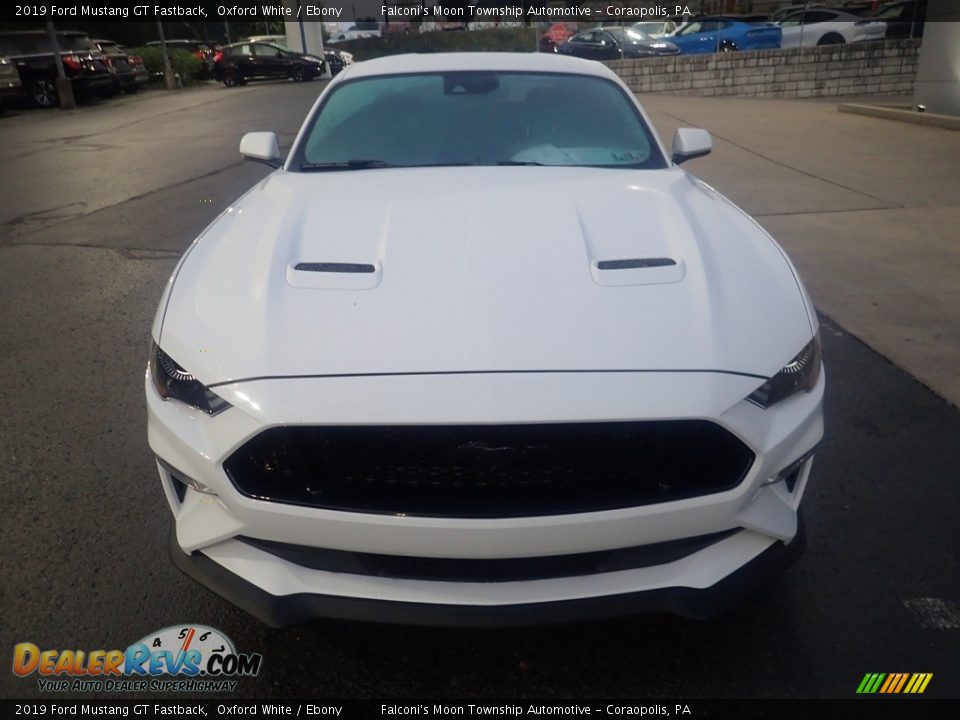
881,68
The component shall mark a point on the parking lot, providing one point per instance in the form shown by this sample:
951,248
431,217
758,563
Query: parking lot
98,204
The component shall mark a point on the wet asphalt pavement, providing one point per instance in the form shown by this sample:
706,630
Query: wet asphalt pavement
96,206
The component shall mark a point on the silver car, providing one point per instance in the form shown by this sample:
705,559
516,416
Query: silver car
10,85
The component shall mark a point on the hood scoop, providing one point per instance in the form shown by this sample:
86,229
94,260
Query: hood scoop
637,271
334,275
335,267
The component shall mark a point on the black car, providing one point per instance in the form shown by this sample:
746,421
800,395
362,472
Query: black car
32,53
613,43
120,65
237,63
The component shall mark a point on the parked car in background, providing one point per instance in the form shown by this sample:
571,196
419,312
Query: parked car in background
118,60
725,34
243,61
781,12
655,29
824,26
140,73
352,34
610,43
904,19
336,60
33,56
10,85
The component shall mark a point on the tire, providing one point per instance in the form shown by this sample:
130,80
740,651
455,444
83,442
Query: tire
831,39
43,92
231,78
130,89
298,73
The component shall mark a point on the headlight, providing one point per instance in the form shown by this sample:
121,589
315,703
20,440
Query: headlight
799,375
172,381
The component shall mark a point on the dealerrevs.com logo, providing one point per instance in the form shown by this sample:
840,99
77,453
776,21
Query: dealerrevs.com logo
184,658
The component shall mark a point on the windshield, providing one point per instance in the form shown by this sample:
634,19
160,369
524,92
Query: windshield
477,118
648,28
637,35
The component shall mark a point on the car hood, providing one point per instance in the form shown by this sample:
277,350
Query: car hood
482,269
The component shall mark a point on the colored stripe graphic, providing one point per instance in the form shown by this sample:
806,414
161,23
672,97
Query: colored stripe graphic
894,683
892,679
903,679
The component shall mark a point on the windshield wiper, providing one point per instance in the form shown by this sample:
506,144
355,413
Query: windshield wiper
348,165
518,162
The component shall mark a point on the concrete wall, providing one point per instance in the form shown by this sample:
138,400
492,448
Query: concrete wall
938,78
883,68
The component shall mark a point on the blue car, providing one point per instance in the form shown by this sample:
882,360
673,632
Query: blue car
724,34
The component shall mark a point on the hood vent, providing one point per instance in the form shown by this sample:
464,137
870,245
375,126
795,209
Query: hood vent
637,271
634,263
335,267
334,275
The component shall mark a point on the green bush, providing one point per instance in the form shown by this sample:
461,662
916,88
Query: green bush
514,39
189,68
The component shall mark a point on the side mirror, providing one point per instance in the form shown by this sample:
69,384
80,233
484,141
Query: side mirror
261,147
689,143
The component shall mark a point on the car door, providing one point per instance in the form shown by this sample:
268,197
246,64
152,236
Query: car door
607,47
271,60
790,29
243,59
580,45
709,36
700,36
805,29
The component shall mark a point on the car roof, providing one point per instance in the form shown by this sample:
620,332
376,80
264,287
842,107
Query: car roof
249,42
495,61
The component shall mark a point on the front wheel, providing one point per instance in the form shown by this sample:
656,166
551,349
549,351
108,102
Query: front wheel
831,39
44,93
299,73
231,78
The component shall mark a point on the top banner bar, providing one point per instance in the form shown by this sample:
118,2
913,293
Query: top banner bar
384,11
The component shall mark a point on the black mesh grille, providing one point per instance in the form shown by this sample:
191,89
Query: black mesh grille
489,470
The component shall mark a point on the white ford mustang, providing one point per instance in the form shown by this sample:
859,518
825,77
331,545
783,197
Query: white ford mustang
480,352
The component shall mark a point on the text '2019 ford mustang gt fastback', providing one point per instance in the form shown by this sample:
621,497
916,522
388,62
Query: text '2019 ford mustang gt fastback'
481,352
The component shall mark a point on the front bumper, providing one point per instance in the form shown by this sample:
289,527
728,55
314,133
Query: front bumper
285,610
210,528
